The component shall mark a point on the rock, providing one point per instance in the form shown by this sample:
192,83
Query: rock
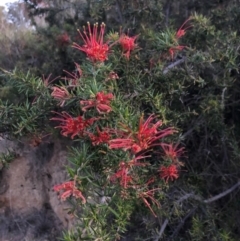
29,209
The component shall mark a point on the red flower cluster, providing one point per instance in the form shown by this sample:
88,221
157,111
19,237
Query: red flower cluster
127,44
73,125
94,47
61,94
101,103
101,137
170,172
145,137
69,189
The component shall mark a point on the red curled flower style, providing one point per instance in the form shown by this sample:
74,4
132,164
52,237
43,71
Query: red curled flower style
182,31
94,47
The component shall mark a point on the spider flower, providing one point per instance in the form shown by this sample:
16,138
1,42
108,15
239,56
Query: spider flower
63,40
144,138
172,151
69,189
127,44
94,46
101,137
101,103
170,172
61,94
73,125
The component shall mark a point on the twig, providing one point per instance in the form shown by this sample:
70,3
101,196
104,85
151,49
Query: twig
118,5
223,99
220,195
185,197
165,223
176,63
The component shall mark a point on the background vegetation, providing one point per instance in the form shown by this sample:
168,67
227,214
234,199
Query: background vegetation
196,91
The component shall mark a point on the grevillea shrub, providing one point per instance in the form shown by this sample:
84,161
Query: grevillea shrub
126,157
152,123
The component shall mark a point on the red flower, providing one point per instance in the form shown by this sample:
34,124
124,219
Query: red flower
170,172
69,189
63,40
171,151
93,46
73,125
101,137
101,103
123,175
127,44
61,94
172,50
181,32
145,137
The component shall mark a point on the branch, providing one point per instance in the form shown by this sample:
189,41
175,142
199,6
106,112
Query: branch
176,63
220,195
162,230
187,196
